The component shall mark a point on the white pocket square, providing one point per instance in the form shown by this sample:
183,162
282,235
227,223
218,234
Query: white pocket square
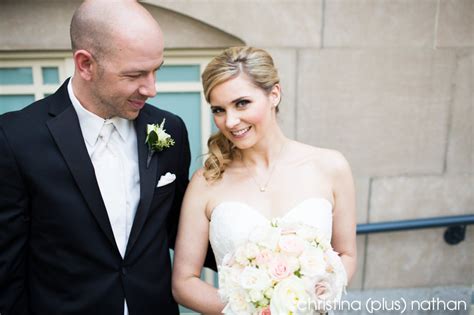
166,179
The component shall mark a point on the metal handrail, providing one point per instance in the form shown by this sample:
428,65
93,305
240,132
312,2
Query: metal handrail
454,234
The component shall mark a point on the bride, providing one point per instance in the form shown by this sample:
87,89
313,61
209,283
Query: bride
254,173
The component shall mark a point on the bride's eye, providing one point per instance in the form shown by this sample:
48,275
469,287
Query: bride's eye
216,110
242,103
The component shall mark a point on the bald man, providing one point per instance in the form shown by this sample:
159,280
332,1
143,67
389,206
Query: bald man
88,211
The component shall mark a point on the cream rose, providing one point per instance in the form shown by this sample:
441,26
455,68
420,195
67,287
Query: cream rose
265,236
238,304
291,244
288,295
253,278
312,262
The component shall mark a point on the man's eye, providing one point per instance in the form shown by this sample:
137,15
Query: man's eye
133,76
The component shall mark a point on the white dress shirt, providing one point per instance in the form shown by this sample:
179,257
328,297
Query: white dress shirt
121,209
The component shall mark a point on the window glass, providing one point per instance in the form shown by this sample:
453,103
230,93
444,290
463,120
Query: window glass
16,76
179,73
50,75
10,103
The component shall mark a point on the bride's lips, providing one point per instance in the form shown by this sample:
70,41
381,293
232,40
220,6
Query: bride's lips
137,104
240,133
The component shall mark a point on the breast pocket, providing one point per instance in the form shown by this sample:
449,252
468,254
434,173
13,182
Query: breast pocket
163,190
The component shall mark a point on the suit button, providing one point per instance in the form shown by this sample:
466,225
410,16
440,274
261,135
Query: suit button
123,271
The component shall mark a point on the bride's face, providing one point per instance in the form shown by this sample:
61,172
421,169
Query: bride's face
243,112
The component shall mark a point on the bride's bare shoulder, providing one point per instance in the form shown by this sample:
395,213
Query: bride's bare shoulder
326,159
199,186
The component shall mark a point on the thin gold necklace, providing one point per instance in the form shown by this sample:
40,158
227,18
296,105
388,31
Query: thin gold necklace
264,187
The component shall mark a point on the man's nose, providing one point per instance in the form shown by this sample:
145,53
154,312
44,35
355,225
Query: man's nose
148,86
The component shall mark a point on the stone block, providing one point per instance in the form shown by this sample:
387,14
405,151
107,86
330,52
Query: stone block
418,258
50,29
181,31
362,189
460,158
455,23
403,198
373,23
386,110
267,23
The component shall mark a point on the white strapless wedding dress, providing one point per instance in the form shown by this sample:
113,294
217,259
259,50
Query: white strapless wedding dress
232,221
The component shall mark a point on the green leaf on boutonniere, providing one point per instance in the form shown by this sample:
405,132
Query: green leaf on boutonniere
157,138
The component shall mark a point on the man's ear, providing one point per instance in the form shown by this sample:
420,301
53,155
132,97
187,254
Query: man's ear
85,64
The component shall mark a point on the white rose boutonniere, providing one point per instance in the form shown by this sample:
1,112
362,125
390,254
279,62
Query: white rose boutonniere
157,139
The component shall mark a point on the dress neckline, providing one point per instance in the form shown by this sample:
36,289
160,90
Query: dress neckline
255,210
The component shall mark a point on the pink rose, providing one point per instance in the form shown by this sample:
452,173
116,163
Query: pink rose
263,257
291,244
323,290
265,311
279,268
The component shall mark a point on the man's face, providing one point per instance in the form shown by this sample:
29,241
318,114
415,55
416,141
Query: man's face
125,78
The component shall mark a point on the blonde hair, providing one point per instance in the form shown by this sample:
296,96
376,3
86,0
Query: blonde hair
258,66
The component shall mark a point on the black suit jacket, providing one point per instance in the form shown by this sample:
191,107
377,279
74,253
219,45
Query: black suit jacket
57,250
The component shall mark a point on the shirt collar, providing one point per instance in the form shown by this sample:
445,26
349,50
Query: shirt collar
91,124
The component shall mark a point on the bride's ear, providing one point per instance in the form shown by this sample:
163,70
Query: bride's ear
275,95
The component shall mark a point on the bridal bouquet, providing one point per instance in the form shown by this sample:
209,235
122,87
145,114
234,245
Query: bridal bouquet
283,268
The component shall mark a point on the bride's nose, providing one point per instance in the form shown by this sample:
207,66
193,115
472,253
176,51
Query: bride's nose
232,119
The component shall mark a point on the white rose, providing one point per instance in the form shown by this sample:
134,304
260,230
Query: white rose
323,242
228,281
288,296
307,233
265,236
238,304
251,251
241,256
255,295
312,262
253,278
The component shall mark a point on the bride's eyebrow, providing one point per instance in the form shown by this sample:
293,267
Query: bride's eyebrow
239,99
213,107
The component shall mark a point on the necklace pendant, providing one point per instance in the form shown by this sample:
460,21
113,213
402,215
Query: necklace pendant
262,189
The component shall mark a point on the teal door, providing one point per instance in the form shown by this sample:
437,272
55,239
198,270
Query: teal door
186,105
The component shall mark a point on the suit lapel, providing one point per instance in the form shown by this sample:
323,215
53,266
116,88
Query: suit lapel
147,177
67,134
